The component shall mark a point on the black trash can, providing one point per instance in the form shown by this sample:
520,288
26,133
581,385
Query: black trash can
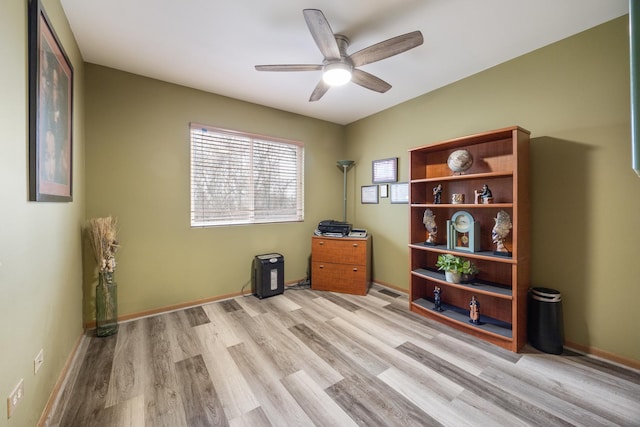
267,278
545,321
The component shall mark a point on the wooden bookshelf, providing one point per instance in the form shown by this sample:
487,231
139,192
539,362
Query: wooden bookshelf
500,160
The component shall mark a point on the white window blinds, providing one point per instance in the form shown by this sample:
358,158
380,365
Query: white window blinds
239,178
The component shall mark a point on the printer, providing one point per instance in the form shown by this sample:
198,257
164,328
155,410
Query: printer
333,228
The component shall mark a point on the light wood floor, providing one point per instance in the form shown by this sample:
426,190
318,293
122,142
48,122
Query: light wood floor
317,358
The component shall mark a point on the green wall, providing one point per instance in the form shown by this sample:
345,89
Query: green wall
40,254
574,98
137,169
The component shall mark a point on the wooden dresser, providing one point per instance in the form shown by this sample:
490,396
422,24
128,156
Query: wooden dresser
341,264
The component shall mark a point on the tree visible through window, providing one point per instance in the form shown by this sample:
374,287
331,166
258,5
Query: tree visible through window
240,178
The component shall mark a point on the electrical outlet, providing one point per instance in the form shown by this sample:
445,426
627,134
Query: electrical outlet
38,361
14,398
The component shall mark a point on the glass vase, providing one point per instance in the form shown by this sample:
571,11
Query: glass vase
106,305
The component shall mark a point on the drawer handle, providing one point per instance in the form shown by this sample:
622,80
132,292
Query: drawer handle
321,243
322,266
355,269
355,245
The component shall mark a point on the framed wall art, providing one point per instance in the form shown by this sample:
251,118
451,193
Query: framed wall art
50,111
369,194
400,192
385,170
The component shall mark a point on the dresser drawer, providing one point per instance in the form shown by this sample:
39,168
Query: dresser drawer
351,279
342,251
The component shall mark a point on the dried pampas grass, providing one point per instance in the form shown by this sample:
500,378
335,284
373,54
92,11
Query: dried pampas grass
102,236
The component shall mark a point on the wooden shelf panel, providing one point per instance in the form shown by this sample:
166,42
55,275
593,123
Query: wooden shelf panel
484,175
461,316
477,286
484,217
489,156
487,255
501,186
478,138
463,205
459,206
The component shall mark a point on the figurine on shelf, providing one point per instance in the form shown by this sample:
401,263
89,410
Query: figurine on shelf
436,299
474,311
437,194
500,232
429,220
485,196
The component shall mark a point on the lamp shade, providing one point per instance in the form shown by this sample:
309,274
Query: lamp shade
337,74
343,163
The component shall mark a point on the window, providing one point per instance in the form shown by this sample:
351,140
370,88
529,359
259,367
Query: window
239,178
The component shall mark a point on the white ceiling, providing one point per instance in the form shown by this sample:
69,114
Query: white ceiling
213,45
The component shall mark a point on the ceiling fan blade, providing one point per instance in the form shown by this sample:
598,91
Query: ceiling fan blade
289,67
322,33
369,81
319,91
387,48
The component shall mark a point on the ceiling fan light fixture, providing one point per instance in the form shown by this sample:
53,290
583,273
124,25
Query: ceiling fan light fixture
337,74
340,68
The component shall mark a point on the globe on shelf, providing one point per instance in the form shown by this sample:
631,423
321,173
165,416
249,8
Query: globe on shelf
460,161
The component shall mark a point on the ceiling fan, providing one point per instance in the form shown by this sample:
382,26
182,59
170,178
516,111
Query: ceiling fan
340,68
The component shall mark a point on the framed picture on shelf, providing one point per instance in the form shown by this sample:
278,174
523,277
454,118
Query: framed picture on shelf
385,170
369,194
400,192
50,111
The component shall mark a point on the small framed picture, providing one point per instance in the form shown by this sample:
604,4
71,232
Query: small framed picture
369,194
384,191
385,170
400,192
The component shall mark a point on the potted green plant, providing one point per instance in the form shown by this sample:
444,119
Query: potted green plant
452,267
455,268
468,271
